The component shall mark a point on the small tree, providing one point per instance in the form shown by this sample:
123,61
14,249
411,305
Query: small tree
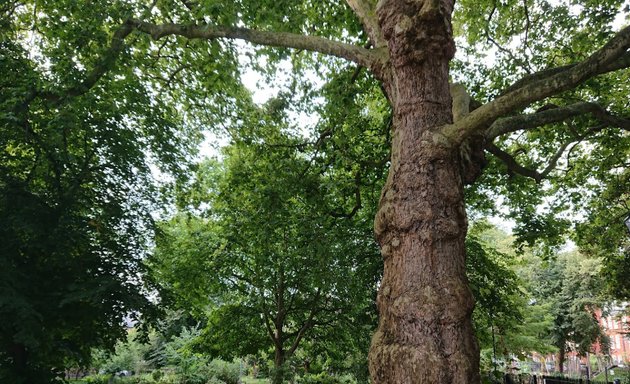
574,288
275,259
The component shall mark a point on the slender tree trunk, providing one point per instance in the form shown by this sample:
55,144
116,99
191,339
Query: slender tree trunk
19,369
425,332
278,365
279,358
561,358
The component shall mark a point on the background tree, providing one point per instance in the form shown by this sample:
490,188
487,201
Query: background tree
496,289
574,287
601,236
75,194
559,92
509,320
279,257
189,255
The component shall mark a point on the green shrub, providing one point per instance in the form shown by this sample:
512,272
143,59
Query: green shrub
128,356
193,377
157,375
97,379
228,373
168,378
215,380
139,379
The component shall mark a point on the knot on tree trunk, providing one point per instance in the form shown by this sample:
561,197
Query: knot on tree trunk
415,30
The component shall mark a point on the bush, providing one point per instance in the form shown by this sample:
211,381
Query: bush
215,380
157,375
325,378
168,378
128,356
140,379
228,373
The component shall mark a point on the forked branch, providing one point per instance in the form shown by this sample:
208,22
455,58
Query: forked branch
513,165
107,60
370,58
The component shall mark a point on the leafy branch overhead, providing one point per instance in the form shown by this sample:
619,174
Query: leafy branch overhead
492,119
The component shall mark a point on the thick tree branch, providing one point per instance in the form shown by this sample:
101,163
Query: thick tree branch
104,64
268,321
107,61
539,89
534,120
362,56
620,63
308,324
553,162
366,13
357,199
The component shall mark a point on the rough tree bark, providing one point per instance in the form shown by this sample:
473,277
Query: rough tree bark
425,330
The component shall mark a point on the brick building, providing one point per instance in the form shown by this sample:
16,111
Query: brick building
615,324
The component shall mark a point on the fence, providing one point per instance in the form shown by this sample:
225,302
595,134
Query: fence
532,379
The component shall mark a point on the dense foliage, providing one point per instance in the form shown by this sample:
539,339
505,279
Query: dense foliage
75,195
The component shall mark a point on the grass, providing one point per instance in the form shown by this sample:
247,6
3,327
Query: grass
253,380
622,374
244,380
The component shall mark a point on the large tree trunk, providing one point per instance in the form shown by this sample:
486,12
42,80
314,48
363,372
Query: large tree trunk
425,330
